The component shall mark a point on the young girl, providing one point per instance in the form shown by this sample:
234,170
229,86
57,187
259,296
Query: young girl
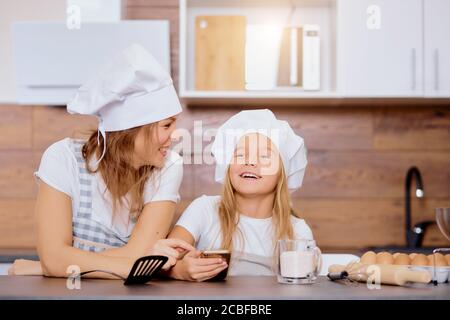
104,202
258,160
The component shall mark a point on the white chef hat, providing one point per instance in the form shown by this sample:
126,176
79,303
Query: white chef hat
290,145
129,91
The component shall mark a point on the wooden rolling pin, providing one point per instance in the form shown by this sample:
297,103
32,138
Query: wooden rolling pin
389,274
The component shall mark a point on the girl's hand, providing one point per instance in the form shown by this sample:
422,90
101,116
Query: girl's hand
174,249
22,267
194,268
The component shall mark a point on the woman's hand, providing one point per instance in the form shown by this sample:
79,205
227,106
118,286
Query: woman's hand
194,268
22,267
174,249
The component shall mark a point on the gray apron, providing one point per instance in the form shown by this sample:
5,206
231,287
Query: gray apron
89,234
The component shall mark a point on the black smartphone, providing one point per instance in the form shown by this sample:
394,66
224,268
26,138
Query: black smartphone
224,254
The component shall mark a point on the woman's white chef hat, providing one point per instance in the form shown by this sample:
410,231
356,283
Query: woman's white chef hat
129,91
290,145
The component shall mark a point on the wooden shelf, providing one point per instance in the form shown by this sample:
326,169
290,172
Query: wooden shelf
257,94
258,12
245,99
336,19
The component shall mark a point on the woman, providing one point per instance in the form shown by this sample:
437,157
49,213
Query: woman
258,160
104,202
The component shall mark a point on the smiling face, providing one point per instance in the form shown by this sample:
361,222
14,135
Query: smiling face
159,138
255,167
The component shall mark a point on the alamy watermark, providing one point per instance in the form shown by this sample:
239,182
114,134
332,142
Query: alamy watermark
73,281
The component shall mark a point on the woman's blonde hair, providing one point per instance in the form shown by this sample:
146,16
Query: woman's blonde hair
116,167
282,211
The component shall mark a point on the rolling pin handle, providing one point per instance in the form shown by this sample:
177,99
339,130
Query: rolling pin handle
337,275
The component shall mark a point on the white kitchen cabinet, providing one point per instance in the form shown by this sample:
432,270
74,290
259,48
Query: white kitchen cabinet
437,48
63,59
380,48
272,14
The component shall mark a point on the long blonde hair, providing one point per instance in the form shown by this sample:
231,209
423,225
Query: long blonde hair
116,167
282,211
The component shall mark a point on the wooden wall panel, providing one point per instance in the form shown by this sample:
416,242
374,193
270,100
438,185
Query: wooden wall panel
359,223
367,174
374,174
17,223
331,128
361,186
15,127
358,156
186,190
148,3
51,124
412,129
16,174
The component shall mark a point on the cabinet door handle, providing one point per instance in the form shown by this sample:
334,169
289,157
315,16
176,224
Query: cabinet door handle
413,69
436,69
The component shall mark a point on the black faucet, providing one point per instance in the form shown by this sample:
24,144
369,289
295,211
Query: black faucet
414,236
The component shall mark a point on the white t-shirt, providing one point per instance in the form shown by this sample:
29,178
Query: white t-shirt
201,219
59,169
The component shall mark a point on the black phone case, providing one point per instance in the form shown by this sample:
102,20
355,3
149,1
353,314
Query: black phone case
224,273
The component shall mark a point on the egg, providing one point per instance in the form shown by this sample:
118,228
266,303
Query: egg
402,259
447,258
420,260
412,256
369,257
384,258
440,260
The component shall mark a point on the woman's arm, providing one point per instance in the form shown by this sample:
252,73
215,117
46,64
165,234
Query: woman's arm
54,224
54,241
153,224
23,267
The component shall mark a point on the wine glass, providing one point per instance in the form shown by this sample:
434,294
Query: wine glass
443,222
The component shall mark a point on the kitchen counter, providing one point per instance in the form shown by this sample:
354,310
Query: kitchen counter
249,288
9,255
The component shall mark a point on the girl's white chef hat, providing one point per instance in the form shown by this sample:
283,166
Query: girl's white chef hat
290,145
129,91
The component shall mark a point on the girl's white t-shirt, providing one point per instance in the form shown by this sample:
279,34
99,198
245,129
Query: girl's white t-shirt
59,169
254,247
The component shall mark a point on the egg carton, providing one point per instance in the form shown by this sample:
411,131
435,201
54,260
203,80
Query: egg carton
442,273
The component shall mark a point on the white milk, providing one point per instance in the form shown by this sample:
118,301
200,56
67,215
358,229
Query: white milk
296,264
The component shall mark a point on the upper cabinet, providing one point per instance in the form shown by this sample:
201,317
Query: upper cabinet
437,48
362,49
380,49
52,61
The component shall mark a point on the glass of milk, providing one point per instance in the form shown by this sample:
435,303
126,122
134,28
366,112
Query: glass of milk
298,261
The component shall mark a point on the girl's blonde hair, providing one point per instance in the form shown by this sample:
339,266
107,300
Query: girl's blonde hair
116,167
282,211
